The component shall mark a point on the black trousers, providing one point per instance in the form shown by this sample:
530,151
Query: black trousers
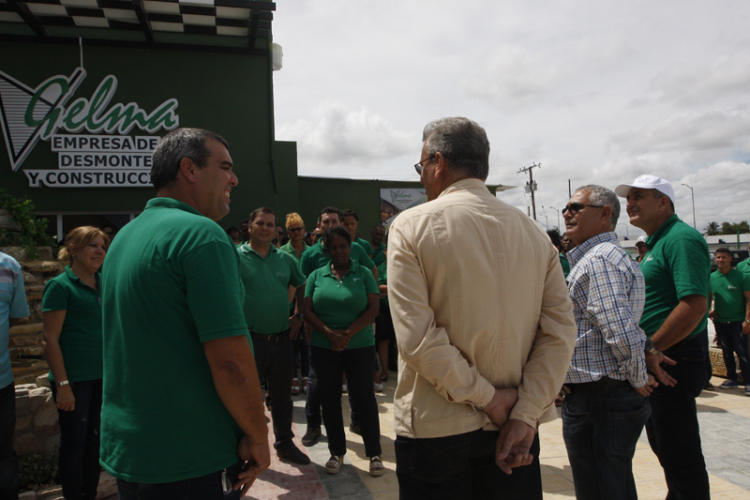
273,357
462,466
8,462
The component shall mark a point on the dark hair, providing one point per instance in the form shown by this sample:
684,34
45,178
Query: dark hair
724,250
350,213
336,231
554,236
176,145
258,211
331,210
462,142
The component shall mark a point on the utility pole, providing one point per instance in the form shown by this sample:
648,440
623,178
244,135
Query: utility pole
692,199
531,185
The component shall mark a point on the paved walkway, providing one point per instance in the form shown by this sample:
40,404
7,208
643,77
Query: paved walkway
724,419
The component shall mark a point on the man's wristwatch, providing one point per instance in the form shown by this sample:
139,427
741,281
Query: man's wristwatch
649,347
63,382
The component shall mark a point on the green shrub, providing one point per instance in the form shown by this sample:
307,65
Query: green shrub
33,229
35,470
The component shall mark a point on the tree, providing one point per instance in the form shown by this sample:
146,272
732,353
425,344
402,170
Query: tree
742,227
727,228
712,228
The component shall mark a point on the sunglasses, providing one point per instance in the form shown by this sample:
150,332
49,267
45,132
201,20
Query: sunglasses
574,208
418,166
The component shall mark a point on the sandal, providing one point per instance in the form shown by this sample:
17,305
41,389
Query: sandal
376,466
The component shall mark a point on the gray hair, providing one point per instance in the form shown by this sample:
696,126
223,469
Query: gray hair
599,195
176,145
462,142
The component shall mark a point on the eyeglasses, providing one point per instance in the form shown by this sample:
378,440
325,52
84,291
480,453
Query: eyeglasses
295,229
418,166
574,208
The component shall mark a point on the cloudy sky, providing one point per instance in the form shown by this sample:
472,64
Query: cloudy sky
596,91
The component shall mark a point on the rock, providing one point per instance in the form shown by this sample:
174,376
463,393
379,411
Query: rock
46,415
25,329
51,444
40,400
42,381
27,495
43,266
18,253
44,253
24,388
27,443
107,486
23,423
50,493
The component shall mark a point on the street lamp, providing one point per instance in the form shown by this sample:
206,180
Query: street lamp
557,211
692,197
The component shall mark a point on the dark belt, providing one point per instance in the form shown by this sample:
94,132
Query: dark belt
602,384
270,337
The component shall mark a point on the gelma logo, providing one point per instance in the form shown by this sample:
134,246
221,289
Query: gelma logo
28,115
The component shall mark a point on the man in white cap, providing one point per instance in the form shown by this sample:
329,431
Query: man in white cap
640,245
676,270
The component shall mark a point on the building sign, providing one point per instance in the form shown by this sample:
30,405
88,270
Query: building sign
105,157
394,201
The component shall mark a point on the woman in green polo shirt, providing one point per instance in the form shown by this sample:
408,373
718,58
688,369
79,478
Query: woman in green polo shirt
72,317
341,302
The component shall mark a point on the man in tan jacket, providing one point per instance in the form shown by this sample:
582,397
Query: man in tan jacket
484,327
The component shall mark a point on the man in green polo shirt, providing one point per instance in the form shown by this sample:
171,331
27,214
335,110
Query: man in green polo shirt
267,273
730,294
744,266
676,270
377,241
182,413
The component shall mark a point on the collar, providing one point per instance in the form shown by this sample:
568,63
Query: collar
75,279
164,202
246,249
579,251
651,240
351,270
467,184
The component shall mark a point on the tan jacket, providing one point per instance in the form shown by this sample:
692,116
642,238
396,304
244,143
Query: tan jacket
479,301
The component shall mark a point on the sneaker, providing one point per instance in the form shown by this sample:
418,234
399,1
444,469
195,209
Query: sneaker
747,390
355,428
728,384
378,386
376,467
291,453
312,436
333,466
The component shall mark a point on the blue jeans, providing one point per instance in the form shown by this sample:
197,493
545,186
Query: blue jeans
672,429
79,441
8,462
359,365
312,400
208,487
601,424
731,340
462,466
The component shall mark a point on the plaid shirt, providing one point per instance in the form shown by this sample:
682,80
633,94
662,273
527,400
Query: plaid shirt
608,293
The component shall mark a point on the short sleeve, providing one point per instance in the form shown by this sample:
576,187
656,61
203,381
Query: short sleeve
310,286
371,285
19,308
214,290
690,264
55,297
361,256
296,278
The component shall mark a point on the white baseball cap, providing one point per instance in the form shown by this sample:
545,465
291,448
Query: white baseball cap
641,239
647,182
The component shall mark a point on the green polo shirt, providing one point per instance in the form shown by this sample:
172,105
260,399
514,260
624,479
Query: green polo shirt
744,266
289,249
81,335
338,304
565,264
676,265
266,282
728,292
383,280
316,256
365,246
170,282
378,256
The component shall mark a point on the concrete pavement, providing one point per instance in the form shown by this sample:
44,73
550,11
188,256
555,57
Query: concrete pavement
724,418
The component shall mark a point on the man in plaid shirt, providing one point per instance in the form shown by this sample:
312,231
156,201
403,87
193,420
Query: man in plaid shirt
607,383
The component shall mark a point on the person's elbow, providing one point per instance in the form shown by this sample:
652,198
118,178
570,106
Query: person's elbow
229,357
697,305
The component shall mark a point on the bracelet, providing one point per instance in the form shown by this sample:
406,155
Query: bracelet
63,382
650,348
